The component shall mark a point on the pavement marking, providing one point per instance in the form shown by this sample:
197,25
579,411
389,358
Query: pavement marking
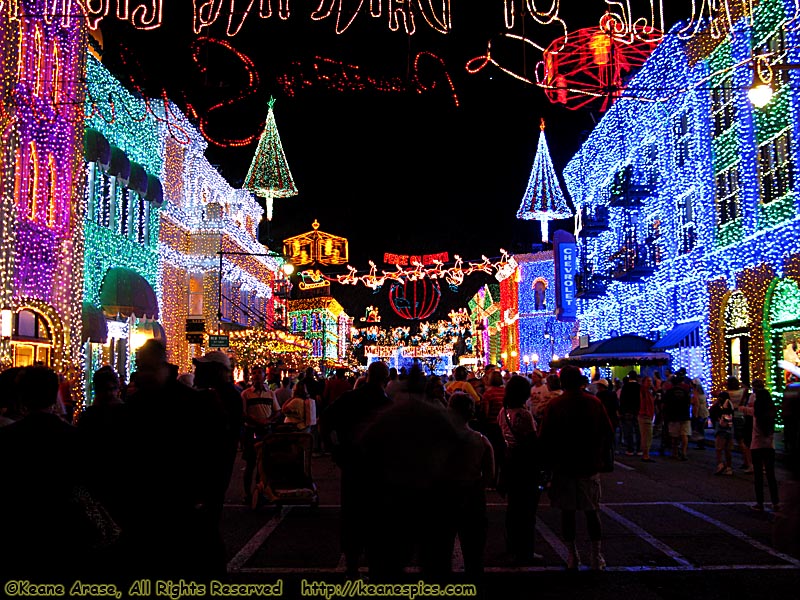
457,561
254,543
739,534
553,540
647,537
623,466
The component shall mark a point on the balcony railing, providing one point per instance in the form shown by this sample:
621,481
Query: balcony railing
635,263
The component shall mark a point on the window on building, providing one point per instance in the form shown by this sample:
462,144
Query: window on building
124,208
195,294
226,300
680,137
103,209
774,47
684,212
723,107
775,168
141,219
33,182
52,173
727,183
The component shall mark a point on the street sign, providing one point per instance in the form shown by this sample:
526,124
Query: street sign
218,341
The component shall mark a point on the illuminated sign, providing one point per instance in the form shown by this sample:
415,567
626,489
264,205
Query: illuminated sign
316,247
566,255
312,280
413,259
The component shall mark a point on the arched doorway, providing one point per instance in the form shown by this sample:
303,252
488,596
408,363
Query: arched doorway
32,340
736,320
782,330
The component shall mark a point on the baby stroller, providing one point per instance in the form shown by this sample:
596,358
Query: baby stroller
284,471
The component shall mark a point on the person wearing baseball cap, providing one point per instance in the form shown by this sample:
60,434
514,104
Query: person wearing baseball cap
539,393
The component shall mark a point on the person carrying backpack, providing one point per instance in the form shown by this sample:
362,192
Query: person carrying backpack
762,444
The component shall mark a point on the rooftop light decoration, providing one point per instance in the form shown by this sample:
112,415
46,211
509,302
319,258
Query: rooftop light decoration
269,176
543,199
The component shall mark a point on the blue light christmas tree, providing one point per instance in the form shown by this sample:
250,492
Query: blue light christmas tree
543,199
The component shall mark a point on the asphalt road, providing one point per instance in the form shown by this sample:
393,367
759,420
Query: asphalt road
672,530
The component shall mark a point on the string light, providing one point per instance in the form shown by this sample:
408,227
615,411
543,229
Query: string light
716,211
453,275
42,242
323,322
269,174
543,199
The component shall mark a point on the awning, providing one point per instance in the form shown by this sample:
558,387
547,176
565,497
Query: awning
96,148
125,292
93,324
138,179
682,332
616,351
155,191
120,165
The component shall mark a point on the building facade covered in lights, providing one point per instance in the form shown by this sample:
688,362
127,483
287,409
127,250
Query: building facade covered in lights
42,65
530,294
122,158
324,324
690,231
513,322
205,292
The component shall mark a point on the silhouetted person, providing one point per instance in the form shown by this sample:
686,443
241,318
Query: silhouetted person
521,471
213,371
574,432
342,425
473,471
101,430
407,455
41,532
176,441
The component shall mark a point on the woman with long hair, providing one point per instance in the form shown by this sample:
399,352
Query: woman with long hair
762,444
520,476
297,411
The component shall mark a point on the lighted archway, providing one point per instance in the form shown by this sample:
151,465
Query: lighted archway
736,321
57,358
781,330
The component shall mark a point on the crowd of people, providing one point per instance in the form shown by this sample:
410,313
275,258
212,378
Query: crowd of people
136,486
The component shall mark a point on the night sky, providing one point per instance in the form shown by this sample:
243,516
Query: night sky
408,171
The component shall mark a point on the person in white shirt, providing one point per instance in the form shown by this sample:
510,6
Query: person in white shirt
261,409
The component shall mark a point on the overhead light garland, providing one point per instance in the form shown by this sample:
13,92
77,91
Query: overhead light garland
454,276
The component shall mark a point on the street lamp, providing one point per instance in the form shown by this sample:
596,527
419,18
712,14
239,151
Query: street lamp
526,359
534,360
760,92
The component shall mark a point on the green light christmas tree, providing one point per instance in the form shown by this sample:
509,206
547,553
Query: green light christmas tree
269,176
543,199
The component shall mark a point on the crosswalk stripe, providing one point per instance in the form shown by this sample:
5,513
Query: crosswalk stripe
739,534
656,543
552,539
254,543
